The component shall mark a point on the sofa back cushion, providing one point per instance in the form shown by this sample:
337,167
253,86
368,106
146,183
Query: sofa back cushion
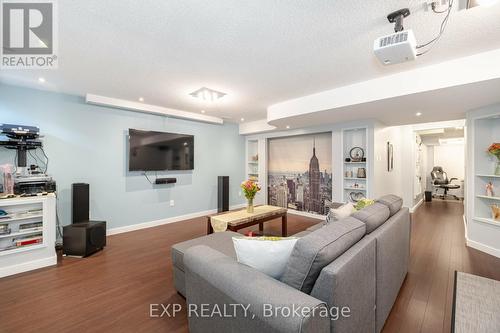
318,249
392,201
373,216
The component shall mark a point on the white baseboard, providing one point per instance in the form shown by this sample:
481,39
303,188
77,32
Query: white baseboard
414,208
28,266
484,248
151,224
479,246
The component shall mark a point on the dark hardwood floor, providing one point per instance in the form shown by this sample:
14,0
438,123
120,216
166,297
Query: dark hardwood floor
111,291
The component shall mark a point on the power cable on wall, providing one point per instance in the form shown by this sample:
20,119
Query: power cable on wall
442,28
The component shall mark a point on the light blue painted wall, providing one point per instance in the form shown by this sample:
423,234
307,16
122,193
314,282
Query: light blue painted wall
87,143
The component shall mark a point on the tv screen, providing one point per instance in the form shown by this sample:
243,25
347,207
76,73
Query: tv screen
159,151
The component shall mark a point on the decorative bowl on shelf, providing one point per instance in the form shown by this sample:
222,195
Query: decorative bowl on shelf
356,196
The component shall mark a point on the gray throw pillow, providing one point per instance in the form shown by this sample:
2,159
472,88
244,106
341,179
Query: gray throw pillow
318,249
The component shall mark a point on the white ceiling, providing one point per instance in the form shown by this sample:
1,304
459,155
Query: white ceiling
259,52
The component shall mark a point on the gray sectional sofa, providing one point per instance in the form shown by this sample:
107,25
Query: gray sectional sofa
346,276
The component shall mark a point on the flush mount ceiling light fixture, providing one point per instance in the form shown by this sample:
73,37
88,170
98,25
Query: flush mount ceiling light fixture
207,94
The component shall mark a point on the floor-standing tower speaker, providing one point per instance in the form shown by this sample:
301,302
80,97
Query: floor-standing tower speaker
80,202
223,194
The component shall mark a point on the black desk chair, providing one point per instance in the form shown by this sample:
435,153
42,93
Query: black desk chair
440,181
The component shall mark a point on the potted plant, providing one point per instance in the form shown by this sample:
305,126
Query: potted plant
494,150
250,189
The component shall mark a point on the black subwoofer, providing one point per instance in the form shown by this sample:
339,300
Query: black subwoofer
84,238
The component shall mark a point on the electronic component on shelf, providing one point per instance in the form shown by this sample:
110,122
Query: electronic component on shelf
33,185
4,229
28,181
160,181
18,131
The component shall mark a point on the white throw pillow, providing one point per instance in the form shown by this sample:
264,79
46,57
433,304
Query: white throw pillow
340,213
266,254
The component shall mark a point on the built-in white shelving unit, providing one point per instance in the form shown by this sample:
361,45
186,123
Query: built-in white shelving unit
352,183
488,197
27,238
253,160
255,166
489,176
483,231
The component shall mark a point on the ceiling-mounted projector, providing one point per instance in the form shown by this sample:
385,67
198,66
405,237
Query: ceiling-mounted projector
398,47
395,48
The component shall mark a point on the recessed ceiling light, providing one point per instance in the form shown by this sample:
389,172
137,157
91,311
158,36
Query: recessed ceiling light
418,114
202,111
141,99
287,126
242,119
41,80
207,94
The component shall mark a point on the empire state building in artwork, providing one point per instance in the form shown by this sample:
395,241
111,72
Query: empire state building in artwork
314,182
296,180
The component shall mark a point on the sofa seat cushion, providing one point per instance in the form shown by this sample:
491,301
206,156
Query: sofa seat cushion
373,216
220,241
318,249
393,202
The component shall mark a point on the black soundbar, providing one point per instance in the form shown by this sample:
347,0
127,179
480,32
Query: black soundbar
160,181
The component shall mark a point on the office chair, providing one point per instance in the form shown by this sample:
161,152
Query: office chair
440,181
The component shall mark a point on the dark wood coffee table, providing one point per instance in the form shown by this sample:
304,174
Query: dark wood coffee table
239,219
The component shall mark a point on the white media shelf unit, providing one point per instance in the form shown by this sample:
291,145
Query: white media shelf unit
28,218
354,137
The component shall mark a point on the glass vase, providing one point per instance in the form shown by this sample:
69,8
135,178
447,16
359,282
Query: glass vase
497,169
250,205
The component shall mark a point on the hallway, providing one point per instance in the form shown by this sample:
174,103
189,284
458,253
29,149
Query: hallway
424,303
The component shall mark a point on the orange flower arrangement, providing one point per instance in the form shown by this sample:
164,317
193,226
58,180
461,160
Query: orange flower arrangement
250,188
494,150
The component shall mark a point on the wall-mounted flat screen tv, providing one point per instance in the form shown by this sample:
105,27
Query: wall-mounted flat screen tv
160,151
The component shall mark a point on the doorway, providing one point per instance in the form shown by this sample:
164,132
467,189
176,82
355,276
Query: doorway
439,164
